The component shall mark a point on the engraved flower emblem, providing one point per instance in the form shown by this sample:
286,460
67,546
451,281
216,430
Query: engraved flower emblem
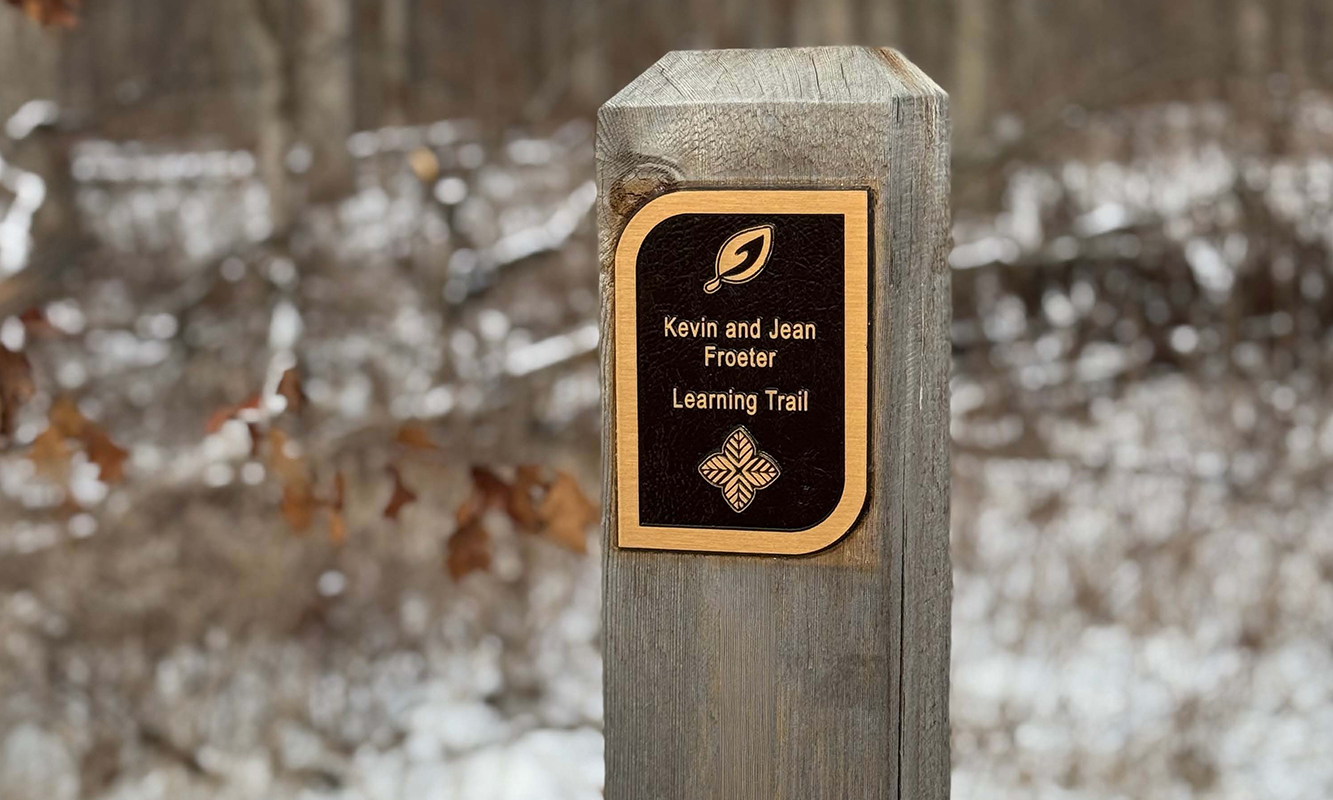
739,469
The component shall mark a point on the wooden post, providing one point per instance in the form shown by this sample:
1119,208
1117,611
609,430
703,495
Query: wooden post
777,578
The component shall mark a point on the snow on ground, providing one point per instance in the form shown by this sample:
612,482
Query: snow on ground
1142,534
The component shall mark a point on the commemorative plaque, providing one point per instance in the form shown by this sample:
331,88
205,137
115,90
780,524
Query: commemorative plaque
741,357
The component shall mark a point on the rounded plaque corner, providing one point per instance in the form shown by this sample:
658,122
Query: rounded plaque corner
654,211
838,524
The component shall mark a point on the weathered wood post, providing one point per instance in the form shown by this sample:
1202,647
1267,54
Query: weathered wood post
774,227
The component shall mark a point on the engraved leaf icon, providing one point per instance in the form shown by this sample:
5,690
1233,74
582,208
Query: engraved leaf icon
742,257
760,472
717,469
738,492
739,447
739,469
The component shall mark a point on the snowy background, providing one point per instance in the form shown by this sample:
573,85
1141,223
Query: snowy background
1142,451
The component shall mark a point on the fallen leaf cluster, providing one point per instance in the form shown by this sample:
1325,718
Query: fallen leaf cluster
16,388
401,494
539,501
37,325
238,411
68,430
301,500
50,12
414,436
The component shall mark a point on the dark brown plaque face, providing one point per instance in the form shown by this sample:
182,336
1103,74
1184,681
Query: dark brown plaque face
741,370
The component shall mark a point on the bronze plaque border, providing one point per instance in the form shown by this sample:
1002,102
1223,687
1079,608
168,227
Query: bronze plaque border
854,205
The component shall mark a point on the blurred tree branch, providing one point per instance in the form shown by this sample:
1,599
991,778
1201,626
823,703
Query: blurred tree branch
274,108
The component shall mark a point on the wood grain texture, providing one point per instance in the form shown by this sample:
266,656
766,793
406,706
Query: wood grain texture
823,676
